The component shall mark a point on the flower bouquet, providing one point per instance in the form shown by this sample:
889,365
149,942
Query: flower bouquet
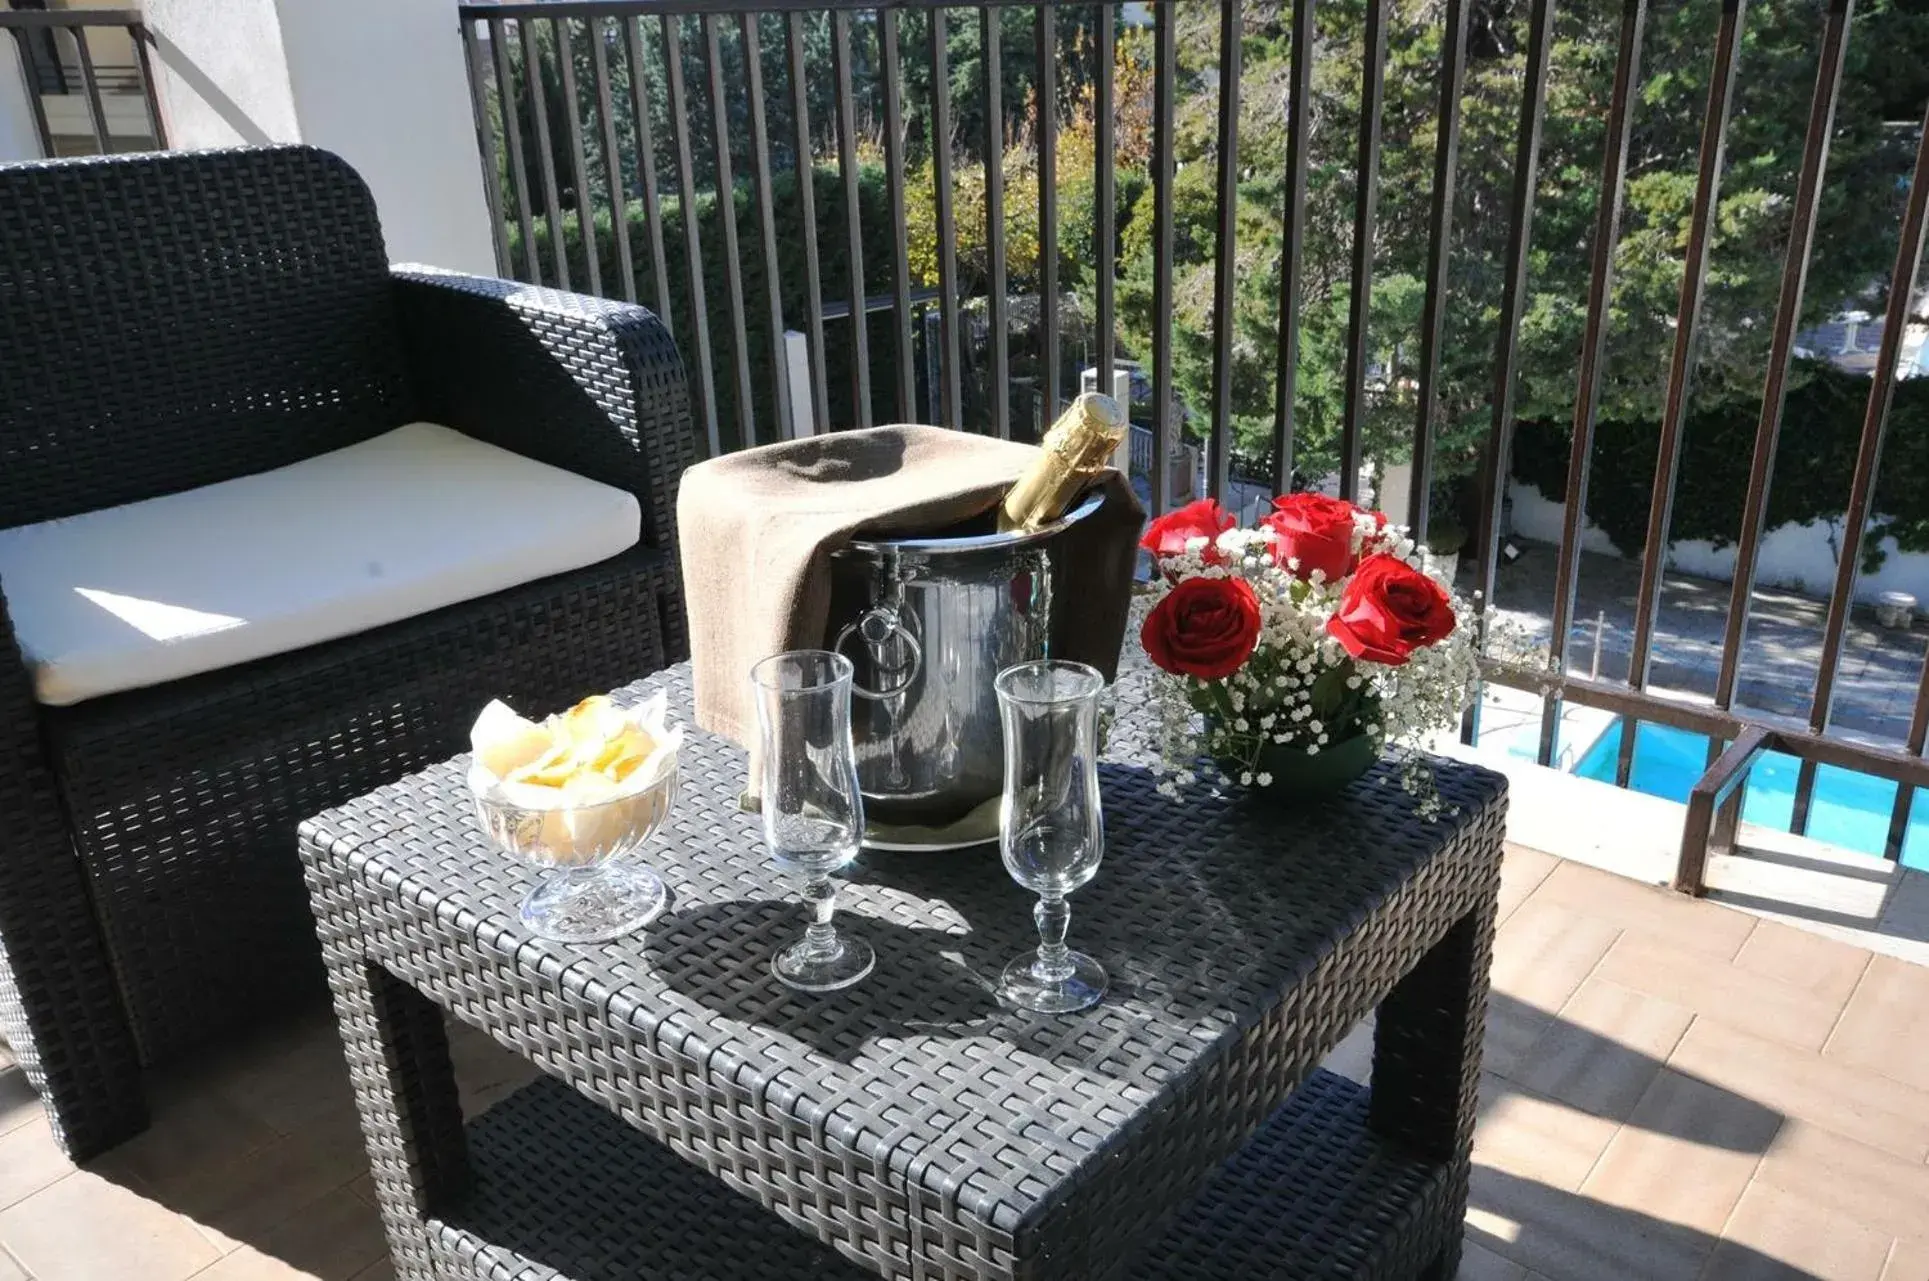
1290,655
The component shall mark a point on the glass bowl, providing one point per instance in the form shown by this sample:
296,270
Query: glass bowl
591,889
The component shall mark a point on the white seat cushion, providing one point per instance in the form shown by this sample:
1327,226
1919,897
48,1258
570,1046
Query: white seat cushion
413,520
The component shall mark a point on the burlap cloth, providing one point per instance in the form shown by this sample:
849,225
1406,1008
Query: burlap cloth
758,527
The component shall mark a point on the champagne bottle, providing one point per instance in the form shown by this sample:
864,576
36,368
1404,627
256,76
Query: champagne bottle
1078,446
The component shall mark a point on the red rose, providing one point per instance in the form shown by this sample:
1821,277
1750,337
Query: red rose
1388,610
1315,532
1168,535
1205,627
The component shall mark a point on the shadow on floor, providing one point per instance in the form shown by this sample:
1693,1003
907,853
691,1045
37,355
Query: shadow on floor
259,1146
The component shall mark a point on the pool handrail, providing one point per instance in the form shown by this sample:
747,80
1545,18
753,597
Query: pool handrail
1714,807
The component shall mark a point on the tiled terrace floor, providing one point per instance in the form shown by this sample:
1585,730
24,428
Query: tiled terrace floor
1675,1090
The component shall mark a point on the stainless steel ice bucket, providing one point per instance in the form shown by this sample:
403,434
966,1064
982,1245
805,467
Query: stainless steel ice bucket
927,623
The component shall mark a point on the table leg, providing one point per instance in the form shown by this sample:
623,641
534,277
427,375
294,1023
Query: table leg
1426,1059
405,1090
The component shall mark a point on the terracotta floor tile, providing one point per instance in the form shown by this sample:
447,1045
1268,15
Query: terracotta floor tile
1908,1260
85,1228
1777,1236
1512,1028
29,1161
1848,1099
1822,967
1689,923
250,1264
1602,1051
1567,1236
1886,1023
331,1239
18,1103
1478,1263
292,1080
241,1201
1855,1181
1545,950
1536,1138
1686,1153
194,1129
1716,989
1521,871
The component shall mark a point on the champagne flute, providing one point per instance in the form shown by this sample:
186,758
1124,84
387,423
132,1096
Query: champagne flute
813,813
1051,829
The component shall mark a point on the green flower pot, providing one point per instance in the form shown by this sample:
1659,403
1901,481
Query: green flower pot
1302,777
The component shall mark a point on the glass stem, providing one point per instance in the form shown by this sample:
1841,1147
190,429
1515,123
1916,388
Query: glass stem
1054,916
820,939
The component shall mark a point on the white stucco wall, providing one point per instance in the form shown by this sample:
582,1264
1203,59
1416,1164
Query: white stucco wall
17,138
379,82
1800,557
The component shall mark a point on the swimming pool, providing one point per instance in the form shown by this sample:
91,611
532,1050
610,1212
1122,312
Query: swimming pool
1848,809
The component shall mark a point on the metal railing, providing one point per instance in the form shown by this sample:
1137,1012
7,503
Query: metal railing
615,138
57,58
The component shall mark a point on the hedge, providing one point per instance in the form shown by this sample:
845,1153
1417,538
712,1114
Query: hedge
878,235
1820,435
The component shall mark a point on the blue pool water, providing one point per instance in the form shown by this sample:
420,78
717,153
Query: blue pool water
1849,809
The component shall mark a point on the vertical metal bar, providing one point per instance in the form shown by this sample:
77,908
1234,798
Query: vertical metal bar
1520,226
1607,230
646,164
1165,74
1225,266
485,141
1801,239
506,99
766,220
23,49
992,31
1365,210
1446,156
853,215
599,71
1105,232
90,87
1047,73
807,207
1905,794
727,215
679,109
1694,275
907,373
532,66
1868,458
1299,105
144,67
953,403
578,170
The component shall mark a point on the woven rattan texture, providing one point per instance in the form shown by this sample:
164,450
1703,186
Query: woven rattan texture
911,1118
174,322
185,914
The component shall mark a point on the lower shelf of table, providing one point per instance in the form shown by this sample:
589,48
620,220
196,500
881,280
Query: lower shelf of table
564,1191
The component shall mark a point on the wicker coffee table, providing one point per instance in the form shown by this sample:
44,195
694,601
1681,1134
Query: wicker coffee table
697,1119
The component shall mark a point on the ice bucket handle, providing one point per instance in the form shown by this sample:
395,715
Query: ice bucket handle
875,626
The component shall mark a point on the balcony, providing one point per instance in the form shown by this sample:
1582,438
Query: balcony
1564,292
85,78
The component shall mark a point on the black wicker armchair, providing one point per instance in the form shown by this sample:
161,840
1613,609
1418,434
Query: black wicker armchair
172,321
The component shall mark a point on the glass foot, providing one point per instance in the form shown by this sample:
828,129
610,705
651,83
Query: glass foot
1029,985
594,906
808,970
